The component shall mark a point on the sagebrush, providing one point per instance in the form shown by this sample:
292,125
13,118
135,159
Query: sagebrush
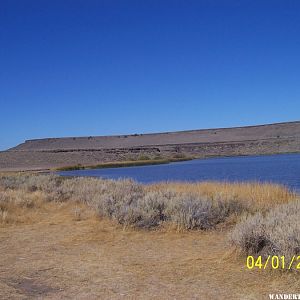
275,233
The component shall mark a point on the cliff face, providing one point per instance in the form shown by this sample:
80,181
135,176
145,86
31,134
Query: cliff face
57,152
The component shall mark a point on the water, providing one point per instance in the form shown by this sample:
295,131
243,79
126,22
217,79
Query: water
283,169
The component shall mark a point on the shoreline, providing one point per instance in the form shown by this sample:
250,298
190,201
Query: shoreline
124,164
138,163
135,163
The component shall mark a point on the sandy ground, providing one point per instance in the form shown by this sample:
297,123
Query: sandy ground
56,256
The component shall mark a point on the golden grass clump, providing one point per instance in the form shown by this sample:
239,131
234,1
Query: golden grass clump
254,195
15,203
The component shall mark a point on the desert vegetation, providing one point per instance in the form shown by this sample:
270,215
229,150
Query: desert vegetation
189,206
177,237
276,232
265,216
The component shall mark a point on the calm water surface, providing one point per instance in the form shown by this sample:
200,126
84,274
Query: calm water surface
283,169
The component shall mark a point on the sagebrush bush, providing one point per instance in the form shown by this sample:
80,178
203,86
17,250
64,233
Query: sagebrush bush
275,233
190,211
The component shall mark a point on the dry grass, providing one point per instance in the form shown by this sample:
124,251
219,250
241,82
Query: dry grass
187,206
74,244
58,257
254,195
19,206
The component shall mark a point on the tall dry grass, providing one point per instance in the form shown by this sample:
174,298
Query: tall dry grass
14,204
253,195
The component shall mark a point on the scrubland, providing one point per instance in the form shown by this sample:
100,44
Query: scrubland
184,234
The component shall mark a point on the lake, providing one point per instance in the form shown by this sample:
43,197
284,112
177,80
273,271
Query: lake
282,168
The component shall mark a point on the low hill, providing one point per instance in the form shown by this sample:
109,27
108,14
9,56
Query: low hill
260,132
59,152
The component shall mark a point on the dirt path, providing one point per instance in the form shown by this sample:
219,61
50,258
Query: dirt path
61,258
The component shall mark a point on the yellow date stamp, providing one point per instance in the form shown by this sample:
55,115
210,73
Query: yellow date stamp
274,262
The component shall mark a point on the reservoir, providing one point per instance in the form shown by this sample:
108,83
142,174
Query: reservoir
283,169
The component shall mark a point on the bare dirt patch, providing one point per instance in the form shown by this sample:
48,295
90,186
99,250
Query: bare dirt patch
31,287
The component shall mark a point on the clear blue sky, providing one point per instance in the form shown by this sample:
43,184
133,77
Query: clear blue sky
83,67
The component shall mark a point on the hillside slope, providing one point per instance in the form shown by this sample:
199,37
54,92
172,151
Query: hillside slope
59,152
260,132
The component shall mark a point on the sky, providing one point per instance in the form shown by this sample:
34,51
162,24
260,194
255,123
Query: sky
84,67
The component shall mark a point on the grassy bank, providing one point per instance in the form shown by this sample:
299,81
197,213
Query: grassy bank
120,164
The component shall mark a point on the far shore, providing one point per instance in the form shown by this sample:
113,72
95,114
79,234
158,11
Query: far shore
122,164
130,163
146,149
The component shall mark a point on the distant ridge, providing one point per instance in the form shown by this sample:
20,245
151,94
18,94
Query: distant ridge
215,135
49,153
165,132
